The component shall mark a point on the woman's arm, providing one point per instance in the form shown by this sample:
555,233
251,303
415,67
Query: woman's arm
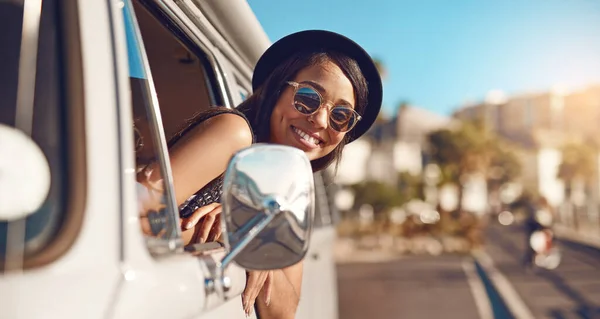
284,295
202,154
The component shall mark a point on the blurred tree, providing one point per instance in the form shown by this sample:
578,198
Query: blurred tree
578,163
469,148
381,68
410,186
504,167
379,195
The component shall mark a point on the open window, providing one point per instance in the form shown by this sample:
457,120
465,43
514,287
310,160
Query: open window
171,80
184,79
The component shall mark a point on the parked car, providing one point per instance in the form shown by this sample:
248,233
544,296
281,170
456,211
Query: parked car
100,86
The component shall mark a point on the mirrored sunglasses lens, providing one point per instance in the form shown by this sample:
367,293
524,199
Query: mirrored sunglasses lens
307,100
342,118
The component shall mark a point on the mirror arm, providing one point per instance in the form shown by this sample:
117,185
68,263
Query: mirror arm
256,226
215,279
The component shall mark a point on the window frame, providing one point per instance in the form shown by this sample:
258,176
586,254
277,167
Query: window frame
171,241
71,96
214,76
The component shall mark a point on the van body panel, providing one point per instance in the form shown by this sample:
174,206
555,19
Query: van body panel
109,272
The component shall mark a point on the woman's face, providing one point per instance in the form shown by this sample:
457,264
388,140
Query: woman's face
288,126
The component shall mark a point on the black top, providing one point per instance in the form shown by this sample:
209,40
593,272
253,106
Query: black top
212,191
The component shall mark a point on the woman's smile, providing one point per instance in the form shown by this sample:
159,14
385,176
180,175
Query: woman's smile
306,138
312,133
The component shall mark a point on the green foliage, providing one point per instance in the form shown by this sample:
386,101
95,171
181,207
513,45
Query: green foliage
577,162
472,148
382,196
504,166
410,186
379,195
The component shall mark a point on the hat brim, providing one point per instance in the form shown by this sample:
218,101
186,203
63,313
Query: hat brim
281,50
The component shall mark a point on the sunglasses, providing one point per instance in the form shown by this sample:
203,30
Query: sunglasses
307,100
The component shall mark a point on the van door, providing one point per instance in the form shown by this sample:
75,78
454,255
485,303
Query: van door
171,76
319,282
57,86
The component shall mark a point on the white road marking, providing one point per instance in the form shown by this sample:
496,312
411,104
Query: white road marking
484,307
515,304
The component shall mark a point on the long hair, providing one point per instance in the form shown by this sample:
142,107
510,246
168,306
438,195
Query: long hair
259,106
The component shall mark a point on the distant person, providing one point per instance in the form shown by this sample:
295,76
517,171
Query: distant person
539,218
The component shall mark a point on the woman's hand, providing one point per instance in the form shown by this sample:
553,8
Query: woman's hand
205,222
257,281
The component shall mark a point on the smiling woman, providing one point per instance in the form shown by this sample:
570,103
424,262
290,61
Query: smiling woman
313,90
305,125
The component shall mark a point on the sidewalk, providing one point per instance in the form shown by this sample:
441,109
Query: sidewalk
381,248
589,237
346,251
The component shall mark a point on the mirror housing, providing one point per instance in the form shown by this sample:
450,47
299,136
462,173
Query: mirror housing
268,213
268,207
24,175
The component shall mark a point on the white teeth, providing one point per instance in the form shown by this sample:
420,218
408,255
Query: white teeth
306,137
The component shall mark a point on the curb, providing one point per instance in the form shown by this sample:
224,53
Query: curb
567,234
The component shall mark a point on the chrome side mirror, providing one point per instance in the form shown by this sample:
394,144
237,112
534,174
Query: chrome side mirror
268,207
24,175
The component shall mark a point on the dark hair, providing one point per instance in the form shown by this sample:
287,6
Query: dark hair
259,106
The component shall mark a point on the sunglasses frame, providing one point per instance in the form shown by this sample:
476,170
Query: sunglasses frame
297,85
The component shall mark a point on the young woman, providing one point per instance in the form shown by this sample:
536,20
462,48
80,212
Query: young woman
314,90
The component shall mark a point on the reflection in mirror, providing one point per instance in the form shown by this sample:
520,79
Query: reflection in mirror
268,197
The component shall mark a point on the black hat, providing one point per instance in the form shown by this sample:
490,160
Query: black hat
279,51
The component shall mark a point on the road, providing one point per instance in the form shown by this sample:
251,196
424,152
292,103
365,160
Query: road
410,287
570,291
448,287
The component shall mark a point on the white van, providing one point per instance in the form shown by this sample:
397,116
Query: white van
100,86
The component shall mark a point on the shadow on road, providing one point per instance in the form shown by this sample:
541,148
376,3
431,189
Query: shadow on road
585,308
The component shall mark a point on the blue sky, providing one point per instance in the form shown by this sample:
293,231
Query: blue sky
441,53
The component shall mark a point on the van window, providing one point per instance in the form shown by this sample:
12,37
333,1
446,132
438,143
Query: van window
243,86
164,62
183,77
50,124
155,201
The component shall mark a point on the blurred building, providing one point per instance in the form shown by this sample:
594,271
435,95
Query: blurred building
391,146
541,123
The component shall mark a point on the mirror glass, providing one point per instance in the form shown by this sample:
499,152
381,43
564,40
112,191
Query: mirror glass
268,205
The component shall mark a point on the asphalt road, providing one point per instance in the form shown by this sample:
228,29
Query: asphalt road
443,287
411,287
570,291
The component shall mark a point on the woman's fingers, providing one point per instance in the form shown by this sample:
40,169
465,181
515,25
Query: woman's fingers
268,287
254,284
209,224
216,230
192,220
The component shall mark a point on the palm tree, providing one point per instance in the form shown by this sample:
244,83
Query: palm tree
504,167
381,68
577,165
471,148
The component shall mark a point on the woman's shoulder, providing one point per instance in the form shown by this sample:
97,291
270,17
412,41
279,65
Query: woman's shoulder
215,111
224,121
